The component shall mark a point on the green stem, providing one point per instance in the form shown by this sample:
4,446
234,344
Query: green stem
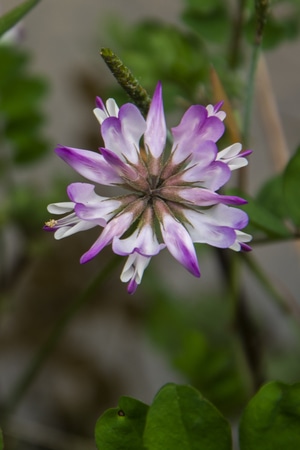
242,321
250,93
261,7
235,43
51,341
288,306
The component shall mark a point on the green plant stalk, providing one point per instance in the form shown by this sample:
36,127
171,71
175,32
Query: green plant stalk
250,94
290,307
11,18
59,328
242,322
262,7
126,80
237,28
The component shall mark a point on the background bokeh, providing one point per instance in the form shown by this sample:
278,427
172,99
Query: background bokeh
108,348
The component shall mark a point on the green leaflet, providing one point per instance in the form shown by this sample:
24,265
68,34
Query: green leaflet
261,218
15,15
179,418
271,421
122,428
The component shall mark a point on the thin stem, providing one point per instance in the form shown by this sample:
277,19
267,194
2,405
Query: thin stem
51,341
237,28
286,303
270,240
242,320
261,7
250,93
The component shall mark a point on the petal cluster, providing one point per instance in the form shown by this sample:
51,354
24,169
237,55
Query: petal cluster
171,200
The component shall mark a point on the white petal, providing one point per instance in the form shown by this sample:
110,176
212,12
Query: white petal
230,151
142,241
60,208
134,267
240,237
112,107
100,115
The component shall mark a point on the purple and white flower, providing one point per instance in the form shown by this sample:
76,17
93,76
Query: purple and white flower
172,198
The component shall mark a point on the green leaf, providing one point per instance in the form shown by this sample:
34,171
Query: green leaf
261,218
270,197
122,428
180,418
291,187
271,419
15,15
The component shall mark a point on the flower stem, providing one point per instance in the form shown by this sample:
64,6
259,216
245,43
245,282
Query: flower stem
126,80
261,7
286,303
242,321
51,341
235,43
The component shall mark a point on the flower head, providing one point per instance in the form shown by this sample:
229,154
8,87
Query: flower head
172,198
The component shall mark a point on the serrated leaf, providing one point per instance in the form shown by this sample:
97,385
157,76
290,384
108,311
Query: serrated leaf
181,418
291,187
271,419
8,20
122,428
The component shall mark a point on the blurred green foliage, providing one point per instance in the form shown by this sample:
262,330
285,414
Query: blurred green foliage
198,338
202,341
22,137
209,33
20,109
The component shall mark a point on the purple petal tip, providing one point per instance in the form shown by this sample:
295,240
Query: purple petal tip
132,286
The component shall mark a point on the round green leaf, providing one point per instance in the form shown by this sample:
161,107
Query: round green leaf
122,428
291,187
180,418
271,421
